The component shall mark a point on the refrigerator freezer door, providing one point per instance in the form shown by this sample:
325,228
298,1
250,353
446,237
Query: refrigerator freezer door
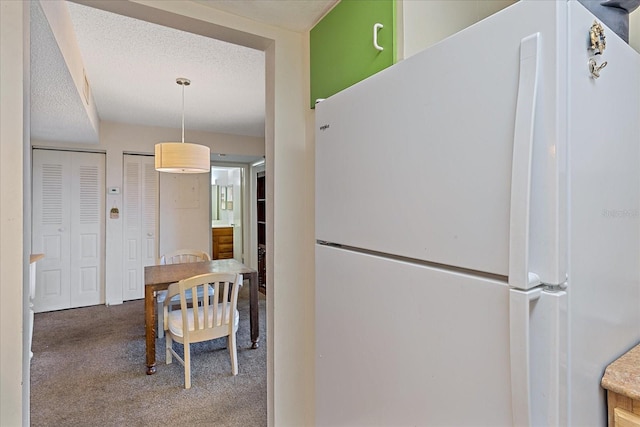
403,344
416,161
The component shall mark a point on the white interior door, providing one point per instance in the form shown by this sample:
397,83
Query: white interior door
68,227
139,216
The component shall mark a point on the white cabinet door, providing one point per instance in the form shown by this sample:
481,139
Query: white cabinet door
140,213
68,227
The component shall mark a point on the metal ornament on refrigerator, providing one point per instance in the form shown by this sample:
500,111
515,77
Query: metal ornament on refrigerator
598,45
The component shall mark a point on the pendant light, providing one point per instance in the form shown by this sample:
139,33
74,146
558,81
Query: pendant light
182,157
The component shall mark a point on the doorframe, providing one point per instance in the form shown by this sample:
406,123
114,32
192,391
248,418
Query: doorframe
254,170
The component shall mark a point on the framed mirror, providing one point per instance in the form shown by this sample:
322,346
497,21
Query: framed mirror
215,211
229,194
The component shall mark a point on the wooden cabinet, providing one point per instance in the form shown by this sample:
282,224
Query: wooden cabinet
342,45
622,417
622,382
261,201
222,242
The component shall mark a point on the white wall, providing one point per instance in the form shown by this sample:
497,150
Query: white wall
14,108
185,210
425,23
634,29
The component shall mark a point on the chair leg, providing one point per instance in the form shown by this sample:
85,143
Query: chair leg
187,365
233,354
160,328
168,346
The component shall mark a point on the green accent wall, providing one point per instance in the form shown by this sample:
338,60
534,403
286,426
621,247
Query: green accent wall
341,45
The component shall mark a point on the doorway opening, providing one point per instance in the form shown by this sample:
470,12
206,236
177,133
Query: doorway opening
227,212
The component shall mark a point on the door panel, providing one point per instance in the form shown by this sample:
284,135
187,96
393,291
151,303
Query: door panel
51,285
140,198
149,212
51,228
68,227
342,45
131,216
404,344
87,213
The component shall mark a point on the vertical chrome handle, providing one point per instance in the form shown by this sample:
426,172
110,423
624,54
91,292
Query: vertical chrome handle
376,27
519,275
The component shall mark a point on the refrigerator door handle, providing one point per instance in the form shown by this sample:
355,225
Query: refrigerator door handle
519,275
538,352
519,315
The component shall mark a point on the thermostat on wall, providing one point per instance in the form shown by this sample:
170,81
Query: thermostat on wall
114,190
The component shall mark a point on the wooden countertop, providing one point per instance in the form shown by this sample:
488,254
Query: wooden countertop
35,257
623,375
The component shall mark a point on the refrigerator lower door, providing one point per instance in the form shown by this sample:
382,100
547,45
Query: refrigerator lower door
399,343
538,341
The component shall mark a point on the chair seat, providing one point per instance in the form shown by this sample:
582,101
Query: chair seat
162,295
175,318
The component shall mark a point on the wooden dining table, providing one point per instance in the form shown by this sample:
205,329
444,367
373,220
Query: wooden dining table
159,277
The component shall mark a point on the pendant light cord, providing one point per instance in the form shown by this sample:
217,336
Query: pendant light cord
182,113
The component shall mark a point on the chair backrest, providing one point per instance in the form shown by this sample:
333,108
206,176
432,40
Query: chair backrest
183,256
216,315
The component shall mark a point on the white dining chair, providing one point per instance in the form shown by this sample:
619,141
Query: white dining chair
214,317
176,257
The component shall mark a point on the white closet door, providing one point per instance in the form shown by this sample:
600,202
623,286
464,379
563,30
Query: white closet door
140,199
68,227
150,211
51,228
87,212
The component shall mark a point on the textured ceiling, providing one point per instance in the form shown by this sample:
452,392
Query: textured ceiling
57,112
132,66
295,15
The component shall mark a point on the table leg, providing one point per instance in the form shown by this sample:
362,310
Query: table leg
253,309
150,329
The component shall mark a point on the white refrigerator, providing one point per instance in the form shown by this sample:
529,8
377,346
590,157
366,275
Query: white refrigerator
478,228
